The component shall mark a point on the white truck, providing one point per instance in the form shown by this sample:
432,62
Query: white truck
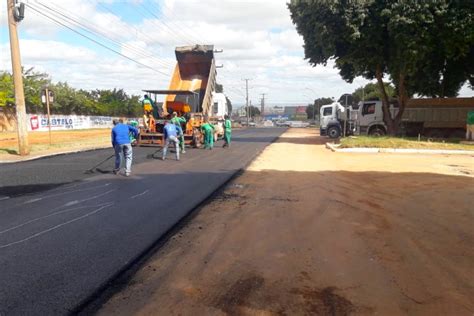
331,119
428,117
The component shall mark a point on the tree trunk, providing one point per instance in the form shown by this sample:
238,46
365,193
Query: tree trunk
387,117
402,100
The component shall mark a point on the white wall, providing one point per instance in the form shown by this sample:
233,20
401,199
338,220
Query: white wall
220,99
39,122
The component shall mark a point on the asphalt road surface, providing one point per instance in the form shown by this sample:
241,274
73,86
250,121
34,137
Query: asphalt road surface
64,233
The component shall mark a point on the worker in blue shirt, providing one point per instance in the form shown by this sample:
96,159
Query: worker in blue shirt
172,132
122,146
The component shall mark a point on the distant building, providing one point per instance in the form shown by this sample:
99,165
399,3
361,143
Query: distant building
219,104
290,110
274,110
296,112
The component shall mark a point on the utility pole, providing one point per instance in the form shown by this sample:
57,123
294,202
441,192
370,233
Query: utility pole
262,107
317,108
23,146
247,100
314,110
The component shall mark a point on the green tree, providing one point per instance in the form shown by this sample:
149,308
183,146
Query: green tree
68,100
254,111
424,47
371,91
318,103
219,88
7,95
34,82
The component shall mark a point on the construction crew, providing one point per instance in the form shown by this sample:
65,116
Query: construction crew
122,146
178,121
208,131
227,131
171,132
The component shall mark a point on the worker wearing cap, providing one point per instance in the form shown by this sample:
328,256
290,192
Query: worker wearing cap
227,131
178,121
172,132
122,146
208,131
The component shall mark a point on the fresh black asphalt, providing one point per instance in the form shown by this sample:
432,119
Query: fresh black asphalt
65,233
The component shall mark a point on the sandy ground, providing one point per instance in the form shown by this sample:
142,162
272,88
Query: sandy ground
61,141
305,231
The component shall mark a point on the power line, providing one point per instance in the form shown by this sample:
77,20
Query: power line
133,26
157,19
159,8
93,40
93,30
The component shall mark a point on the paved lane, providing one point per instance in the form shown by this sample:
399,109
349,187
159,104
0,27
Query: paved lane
62,242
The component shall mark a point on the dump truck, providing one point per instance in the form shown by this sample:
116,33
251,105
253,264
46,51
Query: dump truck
189,95
431,117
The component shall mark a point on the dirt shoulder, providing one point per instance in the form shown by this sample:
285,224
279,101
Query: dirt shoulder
61,141
305,231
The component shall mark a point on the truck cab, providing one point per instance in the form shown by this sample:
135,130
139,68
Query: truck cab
369,118
330,120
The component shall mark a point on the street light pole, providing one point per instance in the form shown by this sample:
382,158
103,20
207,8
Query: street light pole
23,144
247,100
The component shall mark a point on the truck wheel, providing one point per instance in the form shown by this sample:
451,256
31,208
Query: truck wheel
377,132
333,132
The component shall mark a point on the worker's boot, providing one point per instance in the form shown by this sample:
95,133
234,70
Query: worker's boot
116,171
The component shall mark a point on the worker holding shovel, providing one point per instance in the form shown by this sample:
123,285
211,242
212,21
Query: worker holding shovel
172,132
208,131
178,121
122,145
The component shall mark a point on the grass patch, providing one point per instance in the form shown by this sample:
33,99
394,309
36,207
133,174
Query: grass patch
396,142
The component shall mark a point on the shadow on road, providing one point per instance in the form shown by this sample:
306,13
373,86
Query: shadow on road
16,190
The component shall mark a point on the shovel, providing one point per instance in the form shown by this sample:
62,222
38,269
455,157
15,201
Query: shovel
91,170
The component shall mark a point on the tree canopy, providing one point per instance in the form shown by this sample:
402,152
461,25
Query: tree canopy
424,47
68,100
318,103
371,91
254,111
